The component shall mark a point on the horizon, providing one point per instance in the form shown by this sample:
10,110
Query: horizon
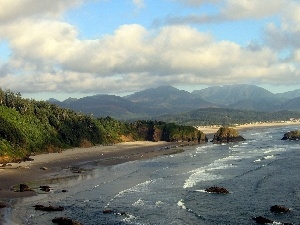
77,48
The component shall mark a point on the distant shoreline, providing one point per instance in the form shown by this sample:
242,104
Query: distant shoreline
214,128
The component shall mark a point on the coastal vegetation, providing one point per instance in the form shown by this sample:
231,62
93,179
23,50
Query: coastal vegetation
227,117
30,126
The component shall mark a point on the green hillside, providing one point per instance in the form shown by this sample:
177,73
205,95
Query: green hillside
30,126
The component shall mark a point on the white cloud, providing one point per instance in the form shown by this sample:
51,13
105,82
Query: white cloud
283,37
256,9
11,10
48,55
229,10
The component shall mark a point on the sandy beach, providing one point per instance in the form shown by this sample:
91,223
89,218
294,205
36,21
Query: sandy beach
50,166
54,165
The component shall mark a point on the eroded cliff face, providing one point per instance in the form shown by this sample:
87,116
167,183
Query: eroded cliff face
292,135
226,135
171,133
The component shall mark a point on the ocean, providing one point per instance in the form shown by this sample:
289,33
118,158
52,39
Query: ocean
259,172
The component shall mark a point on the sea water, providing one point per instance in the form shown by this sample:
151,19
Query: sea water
259,172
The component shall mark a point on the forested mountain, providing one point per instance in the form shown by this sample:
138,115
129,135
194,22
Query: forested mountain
155,102
28,126
265,105
144,104
159,94
231,94
291,104
105,105
289,94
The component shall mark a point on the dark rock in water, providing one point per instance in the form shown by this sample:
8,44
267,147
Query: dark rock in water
226,135
2,206
64,191
24,187
279,209
45,188
107,211
65,221
262,220
48,208
218,190
292,135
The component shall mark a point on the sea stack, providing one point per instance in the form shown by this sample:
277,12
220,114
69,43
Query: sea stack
292,135
226,135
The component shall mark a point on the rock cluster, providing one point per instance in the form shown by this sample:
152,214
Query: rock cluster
273,209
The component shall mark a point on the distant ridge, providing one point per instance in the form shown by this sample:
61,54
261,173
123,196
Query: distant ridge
289,94
230,94
161,93
162,100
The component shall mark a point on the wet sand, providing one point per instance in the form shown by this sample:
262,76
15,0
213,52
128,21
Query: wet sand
54,165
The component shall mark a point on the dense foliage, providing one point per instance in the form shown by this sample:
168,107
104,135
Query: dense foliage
227,117
28,126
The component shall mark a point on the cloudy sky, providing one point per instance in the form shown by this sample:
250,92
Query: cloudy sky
72,48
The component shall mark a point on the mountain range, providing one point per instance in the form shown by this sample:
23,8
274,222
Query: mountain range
155,102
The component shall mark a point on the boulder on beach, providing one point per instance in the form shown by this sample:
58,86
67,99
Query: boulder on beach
24,187
45,188
279,209
65,221
292,135
226,135
218,190
44,168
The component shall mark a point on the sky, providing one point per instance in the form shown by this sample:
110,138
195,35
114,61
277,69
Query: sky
74,48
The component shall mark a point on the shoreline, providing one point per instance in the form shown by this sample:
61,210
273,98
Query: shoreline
58,165
213,129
